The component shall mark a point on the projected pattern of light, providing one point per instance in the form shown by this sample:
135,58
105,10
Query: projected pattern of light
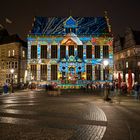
77,30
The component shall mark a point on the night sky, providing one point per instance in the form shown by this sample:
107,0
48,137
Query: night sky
122,13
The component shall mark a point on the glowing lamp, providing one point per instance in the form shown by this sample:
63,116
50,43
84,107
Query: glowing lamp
12,71
105,62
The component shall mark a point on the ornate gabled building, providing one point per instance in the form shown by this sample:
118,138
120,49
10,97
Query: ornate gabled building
13,52
70,50
127,54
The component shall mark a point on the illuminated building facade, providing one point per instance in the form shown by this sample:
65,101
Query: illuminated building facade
127,55
70,50
13,55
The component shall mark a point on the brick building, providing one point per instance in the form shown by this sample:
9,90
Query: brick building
13,52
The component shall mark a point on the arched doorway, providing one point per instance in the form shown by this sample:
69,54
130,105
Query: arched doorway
72,75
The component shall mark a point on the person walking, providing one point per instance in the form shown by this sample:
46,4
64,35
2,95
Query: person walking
107,92
136,90
5,88
138,93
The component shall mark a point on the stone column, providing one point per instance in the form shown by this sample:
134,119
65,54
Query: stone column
38,51
67,51
58,51
93,72
102,76
84,51
38,72
48,72
49,51
102,67
75,50
101,52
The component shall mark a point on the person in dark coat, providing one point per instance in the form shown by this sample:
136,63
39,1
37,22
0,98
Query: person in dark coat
5,88
107,92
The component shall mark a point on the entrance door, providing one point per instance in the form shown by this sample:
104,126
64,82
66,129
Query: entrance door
72,75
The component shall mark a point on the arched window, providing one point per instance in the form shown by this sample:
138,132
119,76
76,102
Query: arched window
13,52
9,53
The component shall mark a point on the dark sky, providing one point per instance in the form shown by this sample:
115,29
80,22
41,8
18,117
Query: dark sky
122,13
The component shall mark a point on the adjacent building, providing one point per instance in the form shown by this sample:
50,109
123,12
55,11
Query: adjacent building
127,54
70,51
13,52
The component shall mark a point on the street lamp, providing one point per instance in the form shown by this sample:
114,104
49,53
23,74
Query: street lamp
12,71
105,63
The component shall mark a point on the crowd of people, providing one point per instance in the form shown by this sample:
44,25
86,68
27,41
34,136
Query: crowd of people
112,88
108,88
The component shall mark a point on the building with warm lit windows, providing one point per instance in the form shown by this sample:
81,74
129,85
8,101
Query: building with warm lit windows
12,56
70,51
127,55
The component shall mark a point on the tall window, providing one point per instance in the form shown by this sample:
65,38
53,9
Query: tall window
53,72
13,52
80,51
97,51
69,30
33,52
44,51
54,51
62,51
9,53
89,51
23,53
33,72
105,51
12,64
16,65
89,72
97,72
43,72
71,50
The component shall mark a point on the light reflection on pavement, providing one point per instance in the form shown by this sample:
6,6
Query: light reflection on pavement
60,117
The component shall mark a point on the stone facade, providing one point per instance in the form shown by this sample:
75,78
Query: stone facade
70,50
12,56
127,54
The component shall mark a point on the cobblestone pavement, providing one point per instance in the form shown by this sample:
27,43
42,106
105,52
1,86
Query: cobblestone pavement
36,116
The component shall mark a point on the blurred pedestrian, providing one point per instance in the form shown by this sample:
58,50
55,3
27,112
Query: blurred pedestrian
5,88
136,90
107,92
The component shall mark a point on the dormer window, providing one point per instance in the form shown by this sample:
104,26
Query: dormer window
70,25
70,30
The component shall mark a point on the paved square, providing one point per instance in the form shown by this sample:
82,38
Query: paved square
36,116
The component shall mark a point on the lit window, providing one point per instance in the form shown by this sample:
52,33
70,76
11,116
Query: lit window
139,63
9,53
13,52
23,53
126,64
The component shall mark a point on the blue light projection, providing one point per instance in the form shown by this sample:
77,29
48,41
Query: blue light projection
55,25
52,31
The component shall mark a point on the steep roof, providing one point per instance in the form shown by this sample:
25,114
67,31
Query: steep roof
5,38
137,37
3,33
84,25
11,39
122,41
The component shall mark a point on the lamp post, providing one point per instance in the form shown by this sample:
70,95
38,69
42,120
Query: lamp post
105,63
12,71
